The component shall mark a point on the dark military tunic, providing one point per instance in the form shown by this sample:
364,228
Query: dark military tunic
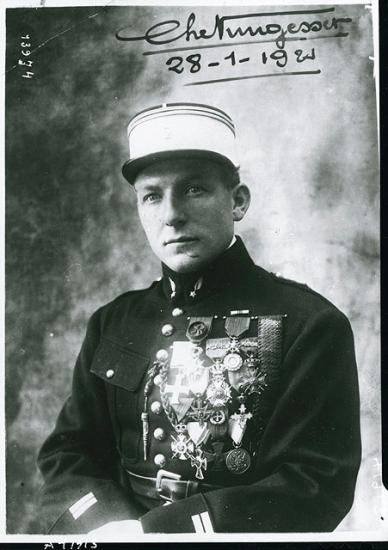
303,442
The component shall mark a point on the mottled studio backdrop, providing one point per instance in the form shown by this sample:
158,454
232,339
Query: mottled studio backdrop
308,151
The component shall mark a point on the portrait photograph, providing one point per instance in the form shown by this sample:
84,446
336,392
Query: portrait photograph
192,272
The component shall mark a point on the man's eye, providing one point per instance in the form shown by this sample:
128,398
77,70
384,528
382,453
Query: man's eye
194,190
151,197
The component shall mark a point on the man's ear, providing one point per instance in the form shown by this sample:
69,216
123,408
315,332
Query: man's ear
241,201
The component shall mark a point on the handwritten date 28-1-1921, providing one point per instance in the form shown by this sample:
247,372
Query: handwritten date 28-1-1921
194,62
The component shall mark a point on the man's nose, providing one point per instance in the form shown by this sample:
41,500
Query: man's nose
173,211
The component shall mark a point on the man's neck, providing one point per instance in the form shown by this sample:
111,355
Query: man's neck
232,242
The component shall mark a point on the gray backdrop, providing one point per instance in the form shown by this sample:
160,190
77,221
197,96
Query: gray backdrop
308,151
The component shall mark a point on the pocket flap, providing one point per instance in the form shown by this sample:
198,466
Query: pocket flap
119,366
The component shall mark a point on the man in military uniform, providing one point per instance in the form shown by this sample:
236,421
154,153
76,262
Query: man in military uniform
220,399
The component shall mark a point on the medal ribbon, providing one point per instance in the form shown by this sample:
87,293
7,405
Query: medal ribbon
236,326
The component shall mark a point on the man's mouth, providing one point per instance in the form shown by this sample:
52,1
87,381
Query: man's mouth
178,240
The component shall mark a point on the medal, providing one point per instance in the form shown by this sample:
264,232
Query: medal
198,328
233,361
238,424
218,392
217,417
199,462
216,347
253,383
198,379
199,412
238,461
252,361
182,446
177,388
234,328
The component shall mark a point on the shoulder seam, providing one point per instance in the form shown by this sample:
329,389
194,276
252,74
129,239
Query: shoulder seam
129,293
301,286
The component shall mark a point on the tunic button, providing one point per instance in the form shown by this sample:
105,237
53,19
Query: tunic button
162,355
157,380
177,312
156,407
160,460
109,373
167,329
159,434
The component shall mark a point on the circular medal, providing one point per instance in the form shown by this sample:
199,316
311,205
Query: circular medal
233,361
197,331
217,417
238,461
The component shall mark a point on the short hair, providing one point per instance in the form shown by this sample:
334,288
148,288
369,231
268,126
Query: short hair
230,175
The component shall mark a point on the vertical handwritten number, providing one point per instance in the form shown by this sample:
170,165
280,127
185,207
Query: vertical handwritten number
194,59
280,56
232,58
176,68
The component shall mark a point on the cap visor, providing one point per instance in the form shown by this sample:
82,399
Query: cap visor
132,168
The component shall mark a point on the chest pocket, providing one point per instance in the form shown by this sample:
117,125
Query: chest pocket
123,370
118,365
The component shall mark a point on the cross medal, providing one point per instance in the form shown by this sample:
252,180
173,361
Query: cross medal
199,412
235,328
238,424
177,388
198,462
182,446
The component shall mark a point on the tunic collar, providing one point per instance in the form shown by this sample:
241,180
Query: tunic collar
230,268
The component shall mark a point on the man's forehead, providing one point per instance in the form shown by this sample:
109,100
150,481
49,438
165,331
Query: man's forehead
176,172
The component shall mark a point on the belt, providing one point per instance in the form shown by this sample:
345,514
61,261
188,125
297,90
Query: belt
167,486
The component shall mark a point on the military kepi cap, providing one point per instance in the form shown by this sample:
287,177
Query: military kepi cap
185,130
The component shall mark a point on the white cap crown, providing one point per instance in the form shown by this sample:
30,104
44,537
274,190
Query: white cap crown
180,129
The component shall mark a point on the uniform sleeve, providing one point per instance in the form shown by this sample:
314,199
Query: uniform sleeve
78,459
309,456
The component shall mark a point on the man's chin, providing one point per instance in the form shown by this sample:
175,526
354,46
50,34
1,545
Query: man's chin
184,264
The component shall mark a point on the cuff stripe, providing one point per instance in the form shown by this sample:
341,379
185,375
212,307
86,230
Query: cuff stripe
82,505
206,522
202,523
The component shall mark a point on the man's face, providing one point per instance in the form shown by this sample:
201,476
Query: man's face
186,210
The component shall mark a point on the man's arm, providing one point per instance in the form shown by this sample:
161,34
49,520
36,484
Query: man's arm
308,459
78,459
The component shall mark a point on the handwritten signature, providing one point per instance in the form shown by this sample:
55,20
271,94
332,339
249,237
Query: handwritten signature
166,32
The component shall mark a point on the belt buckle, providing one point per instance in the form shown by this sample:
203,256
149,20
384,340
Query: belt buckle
164,474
